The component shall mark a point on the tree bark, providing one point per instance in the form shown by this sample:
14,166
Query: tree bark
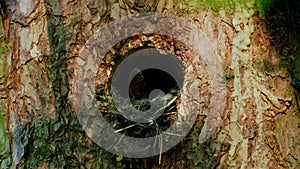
259,127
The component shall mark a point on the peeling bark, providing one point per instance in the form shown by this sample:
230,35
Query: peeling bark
38,128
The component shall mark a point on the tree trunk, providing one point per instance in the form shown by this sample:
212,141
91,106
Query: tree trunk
259,127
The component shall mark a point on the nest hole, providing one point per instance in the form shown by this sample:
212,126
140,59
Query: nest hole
140,86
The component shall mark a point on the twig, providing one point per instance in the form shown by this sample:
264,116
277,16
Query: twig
229,25
160,151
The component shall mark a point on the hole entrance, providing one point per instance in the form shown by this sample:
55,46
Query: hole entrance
141,84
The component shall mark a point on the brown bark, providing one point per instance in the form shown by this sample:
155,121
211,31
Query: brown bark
259,127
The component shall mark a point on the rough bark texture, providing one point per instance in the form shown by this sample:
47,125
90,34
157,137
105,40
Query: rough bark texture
38,129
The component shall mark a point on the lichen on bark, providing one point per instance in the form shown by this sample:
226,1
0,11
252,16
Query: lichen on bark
38,128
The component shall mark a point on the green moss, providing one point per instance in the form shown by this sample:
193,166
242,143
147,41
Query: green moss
229,5
203,155
4,139
3,46
267,67
217,5
265,6
144,9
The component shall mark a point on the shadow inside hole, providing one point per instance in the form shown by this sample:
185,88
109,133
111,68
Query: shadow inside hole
144,82
139,90
140,87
